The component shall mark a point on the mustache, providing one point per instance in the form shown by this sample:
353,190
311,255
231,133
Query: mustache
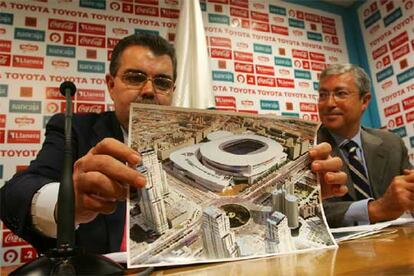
147,100
331,112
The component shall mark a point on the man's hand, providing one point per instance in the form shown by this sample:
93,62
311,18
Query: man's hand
333,181
102,177
398,198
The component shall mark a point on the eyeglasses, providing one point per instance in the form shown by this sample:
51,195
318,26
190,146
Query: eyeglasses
338,95
137,80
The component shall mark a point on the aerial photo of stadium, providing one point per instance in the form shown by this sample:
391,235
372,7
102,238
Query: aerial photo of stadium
221,186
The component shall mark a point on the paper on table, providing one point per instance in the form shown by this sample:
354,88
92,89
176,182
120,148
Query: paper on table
352,232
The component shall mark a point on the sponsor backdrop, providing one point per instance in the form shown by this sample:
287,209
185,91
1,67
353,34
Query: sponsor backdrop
388,31
265,57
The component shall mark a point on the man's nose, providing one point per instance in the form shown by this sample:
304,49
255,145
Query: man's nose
331,101
148,89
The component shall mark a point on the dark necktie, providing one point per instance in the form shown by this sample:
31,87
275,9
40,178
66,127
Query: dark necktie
357,171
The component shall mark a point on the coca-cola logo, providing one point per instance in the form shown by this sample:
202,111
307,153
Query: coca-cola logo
91,41
300,54
10,239
316,66
144,10
221,53
263,81
261,27
2,30
62,25
307,107
312,17
239,12
90,108
243,67
304,84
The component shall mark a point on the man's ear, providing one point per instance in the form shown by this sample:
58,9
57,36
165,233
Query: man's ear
366,98
110,83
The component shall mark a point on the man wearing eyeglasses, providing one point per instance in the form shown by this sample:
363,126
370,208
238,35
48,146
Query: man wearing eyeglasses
380,179
143,70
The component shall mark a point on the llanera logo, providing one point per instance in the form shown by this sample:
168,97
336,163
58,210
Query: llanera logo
23,136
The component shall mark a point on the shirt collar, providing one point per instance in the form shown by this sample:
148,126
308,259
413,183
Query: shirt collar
125,134
340,141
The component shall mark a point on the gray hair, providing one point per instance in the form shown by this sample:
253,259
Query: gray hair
362,80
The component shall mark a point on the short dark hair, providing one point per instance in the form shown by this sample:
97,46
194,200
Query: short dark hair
157,44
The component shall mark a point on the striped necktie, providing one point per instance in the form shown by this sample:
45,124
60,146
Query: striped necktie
357,170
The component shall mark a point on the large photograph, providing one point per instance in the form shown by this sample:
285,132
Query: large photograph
221,186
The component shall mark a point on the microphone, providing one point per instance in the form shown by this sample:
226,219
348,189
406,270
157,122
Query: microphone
66,259
66,87
66,208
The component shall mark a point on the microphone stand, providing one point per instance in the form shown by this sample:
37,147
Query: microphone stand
66,259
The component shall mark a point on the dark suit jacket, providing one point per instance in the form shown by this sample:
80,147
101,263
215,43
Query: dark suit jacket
385,156
102,235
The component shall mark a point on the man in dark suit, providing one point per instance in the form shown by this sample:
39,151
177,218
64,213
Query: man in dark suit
380,179
142,69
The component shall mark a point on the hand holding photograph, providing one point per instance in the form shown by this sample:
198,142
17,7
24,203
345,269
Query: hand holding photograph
221,186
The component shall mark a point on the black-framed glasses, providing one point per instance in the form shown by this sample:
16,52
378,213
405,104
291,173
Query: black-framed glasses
338,95
137,80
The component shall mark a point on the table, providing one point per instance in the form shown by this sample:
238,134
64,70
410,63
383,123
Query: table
388,253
